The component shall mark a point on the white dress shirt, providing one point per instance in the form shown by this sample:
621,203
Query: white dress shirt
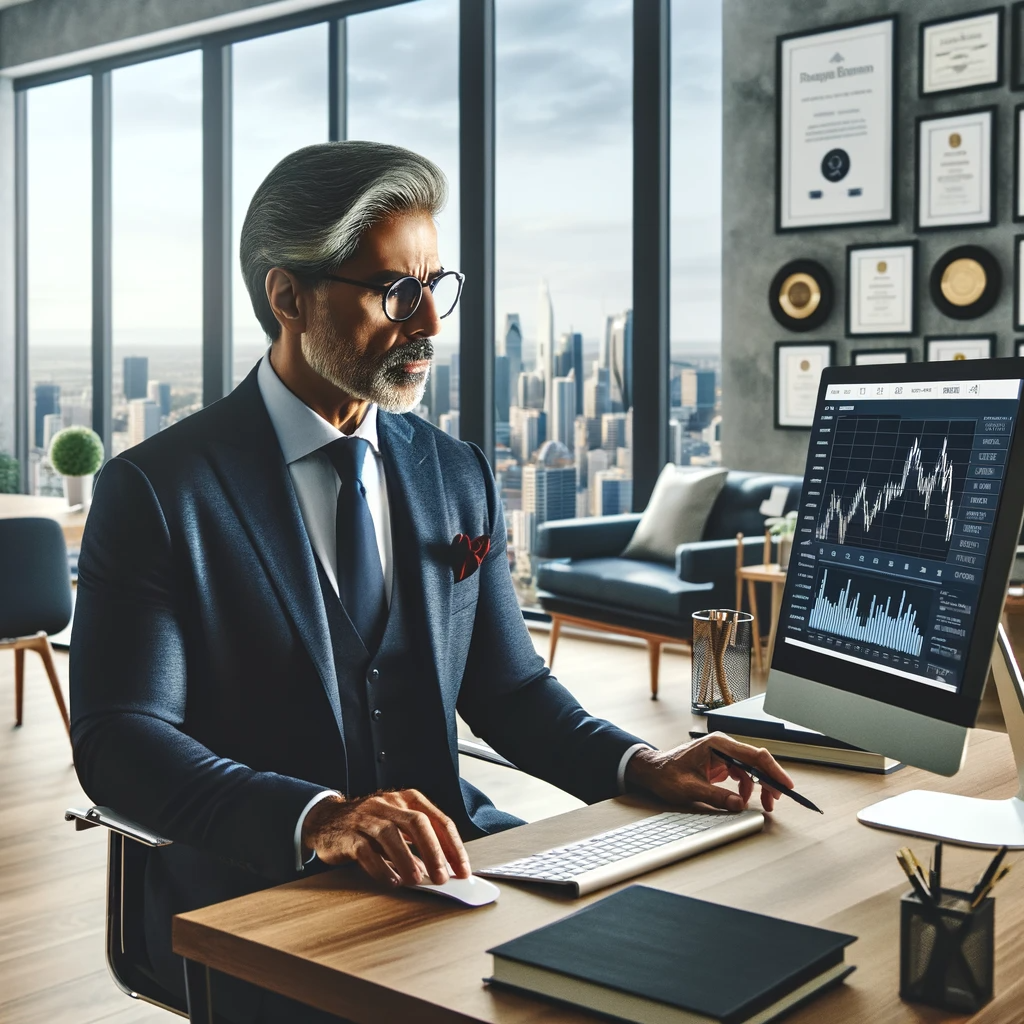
301,432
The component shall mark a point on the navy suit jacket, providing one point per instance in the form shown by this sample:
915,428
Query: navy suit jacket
204,699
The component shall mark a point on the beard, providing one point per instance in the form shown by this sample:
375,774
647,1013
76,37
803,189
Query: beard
382,380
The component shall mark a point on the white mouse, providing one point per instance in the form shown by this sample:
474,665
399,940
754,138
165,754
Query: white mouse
473,891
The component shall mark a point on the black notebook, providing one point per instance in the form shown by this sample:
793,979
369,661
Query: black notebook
646,955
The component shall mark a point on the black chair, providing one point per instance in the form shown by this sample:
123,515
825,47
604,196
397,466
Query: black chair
35,599
127,959
587,583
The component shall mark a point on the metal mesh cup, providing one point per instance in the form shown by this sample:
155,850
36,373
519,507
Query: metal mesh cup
721,658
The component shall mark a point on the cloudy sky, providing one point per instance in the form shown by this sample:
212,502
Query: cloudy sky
564,105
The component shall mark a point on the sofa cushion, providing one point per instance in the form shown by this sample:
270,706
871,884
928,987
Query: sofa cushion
676,514
625,583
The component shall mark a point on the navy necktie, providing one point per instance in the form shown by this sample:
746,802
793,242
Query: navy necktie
360,577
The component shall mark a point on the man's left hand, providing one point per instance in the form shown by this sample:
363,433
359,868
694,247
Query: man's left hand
688,774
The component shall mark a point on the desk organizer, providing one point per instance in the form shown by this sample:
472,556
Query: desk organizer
721,658
946,953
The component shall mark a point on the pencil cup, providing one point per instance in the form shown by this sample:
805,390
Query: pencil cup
721,658
946,954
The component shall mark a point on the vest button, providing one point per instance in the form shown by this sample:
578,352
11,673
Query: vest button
374,675
378,715
381,756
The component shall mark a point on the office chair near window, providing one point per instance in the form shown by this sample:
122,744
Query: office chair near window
126,955
35,599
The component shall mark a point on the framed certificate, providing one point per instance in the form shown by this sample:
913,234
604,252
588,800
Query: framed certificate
962,53
874,356
835,94
880,289
1017,45
945,347
1018,163
1018,282
798,367
956,179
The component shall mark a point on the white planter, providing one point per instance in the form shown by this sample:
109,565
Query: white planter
78,490
785,549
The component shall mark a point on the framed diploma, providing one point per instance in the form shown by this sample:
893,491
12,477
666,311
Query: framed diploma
835,91
944,347
798,367
962,53
1017,45
1018,282
874,356
880,289
956,180
1018,163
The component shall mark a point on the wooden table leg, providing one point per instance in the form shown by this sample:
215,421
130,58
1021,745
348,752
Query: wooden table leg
752,598
654,654
19,683
776,608
556,629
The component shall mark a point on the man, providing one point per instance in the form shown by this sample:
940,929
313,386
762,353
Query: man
276,625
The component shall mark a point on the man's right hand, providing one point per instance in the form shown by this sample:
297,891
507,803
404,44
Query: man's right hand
376,831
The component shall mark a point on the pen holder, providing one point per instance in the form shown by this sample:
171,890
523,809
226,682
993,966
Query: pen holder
720,665
946,953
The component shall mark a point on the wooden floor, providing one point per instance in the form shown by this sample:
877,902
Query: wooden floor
52,968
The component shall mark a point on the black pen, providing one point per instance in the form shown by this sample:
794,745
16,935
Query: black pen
990,873
762,776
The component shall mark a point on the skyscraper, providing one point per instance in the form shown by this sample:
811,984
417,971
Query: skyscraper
438,393
143,420
570,361
549,485
613,431
620,356
530,391
603,357
528,431
136,377
563,411
502,390
596,400
613,492
546,343
449,423
511,344
161,394
47,403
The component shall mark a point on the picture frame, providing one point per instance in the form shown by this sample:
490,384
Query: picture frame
961,53
1020,348
1018,162
881,289
813,183
1016,75
1018,285
798,367
873,356
942,347
949,138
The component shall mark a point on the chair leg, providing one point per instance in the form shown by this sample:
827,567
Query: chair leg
46,653
19,683
556,630
654,654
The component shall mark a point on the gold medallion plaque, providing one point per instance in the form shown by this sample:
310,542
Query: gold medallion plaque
799,295
963,282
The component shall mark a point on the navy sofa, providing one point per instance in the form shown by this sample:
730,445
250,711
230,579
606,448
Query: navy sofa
588,583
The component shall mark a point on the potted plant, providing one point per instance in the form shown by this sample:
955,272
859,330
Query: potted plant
76,453
782,529
10,474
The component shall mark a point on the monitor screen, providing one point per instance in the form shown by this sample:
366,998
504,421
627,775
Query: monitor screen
904,540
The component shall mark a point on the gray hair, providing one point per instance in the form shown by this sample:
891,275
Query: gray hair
313,208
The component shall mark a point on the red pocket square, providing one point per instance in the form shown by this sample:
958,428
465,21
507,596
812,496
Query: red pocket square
467,554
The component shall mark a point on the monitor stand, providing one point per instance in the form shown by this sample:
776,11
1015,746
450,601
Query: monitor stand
966,820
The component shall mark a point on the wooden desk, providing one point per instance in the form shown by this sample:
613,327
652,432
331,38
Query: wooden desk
762,574
335,942
28,506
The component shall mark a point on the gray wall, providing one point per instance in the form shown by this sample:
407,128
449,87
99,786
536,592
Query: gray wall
752,252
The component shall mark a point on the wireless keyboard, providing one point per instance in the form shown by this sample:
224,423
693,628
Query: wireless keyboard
630,850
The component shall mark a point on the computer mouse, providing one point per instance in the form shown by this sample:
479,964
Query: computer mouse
473,891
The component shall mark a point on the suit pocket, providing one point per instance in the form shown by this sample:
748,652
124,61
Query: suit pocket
465,594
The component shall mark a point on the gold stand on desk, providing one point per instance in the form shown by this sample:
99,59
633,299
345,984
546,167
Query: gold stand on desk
770,572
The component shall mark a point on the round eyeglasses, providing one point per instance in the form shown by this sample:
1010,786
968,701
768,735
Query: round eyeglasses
402,298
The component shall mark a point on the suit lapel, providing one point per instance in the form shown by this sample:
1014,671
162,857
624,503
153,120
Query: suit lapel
247,459
421,527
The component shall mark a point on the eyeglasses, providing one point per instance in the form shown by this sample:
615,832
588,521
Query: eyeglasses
402,298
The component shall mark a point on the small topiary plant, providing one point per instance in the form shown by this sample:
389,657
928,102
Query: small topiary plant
76,451
10,474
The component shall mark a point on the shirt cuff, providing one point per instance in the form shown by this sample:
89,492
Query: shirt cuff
625,760
299,862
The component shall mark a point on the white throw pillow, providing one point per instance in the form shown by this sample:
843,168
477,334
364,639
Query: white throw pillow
676,513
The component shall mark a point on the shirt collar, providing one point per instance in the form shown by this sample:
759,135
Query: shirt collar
299,429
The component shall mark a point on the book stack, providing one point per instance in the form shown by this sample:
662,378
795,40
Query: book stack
654,957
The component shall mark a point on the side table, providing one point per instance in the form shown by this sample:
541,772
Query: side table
752,574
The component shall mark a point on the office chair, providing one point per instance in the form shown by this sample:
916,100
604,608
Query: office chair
35,599
125,941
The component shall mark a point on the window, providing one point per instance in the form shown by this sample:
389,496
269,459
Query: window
157,258
279,94
59,185
403,88
563,261
696,233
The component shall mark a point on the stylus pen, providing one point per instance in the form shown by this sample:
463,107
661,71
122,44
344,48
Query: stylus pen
765,777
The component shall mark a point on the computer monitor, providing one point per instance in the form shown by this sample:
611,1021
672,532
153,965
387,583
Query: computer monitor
908,524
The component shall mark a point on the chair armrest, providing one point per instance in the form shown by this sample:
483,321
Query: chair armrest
593,537
116,823
482,752
711,561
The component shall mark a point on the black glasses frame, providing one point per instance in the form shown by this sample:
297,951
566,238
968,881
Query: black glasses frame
385,291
